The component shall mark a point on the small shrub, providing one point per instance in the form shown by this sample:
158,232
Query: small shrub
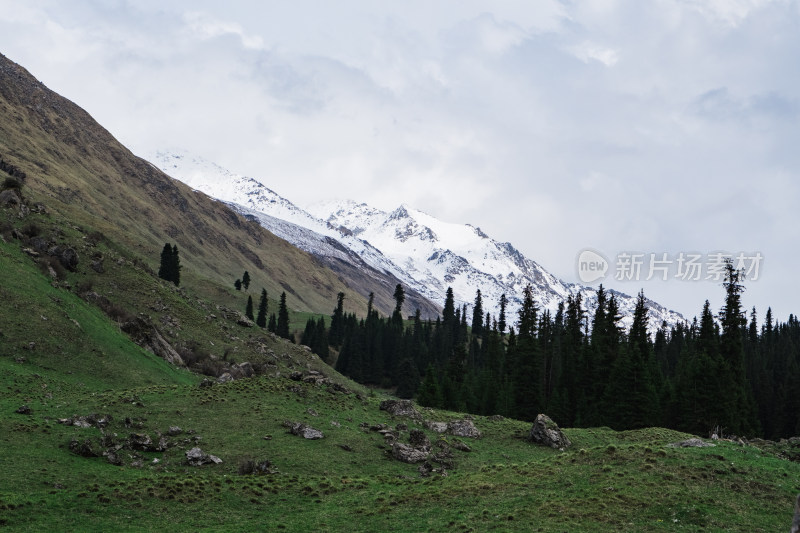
11,183
31,230
94,238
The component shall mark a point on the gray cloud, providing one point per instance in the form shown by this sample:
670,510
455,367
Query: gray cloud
660,127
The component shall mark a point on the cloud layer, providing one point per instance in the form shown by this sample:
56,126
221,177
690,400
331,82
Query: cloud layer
665,127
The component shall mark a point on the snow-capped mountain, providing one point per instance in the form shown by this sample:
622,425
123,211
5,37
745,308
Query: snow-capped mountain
424,253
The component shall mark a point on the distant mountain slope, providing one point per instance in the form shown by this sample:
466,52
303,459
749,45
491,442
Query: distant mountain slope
83,173
358,263
424,253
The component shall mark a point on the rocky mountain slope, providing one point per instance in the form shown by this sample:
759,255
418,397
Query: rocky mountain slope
84,174
426,254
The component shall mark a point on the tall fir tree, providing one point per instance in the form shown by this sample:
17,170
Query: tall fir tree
477,314
246,280
282,326
399,298
263,305
248,310
501,320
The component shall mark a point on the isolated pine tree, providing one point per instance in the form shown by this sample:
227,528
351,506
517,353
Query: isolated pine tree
246,280
248,310
237,284
261,317
166,261
282,327
170,266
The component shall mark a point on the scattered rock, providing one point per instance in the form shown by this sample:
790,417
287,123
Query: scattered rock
9,198
312,412
418,439
92,420
174,430
245,322
460,445
225,378
463,428
302,430
24,410
545,432
438,427
141,442
408,454
97,266
206,383
345,447
83,448
400,408
112,456
196,457
694,442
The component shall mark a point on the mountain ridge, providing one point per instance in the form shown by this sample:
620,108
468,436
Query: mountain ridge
426,254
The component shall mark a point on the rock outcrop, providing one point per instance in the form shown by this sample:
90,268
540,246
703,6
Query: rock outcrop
196,457
694,442
302,430
400,408
463,428
545,432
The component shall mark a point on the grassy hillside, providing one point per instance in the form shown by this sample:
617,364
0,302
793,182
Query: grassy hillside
82,173
96,427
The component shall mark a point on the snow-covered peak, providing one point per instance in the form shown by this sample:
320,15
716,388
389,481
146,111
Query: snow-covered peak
423,252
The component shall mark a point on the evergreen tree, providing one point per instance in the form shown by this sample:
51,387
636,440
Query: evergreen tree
272,325
336,335
741,419
169,268
261,318
477,314
237,284
501,321
248,310
399,298
175,266
164,268
430,393
246,280
282,326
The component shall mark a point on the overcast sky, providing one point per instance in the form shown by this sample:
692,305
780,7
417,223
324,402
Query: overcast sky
663,126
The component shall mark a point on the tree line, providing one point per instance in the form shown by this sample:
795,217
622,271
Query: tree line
721,372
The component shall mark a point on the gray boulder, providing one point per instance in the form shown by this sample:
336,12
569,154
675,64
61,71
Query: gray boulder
694,442
302,430
438,427
463,428
545,432
196,457
408,453
400,408
796,521
418,439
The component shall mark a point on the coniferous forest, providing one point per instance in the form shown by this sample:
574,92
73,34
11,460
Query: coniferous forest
725,372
